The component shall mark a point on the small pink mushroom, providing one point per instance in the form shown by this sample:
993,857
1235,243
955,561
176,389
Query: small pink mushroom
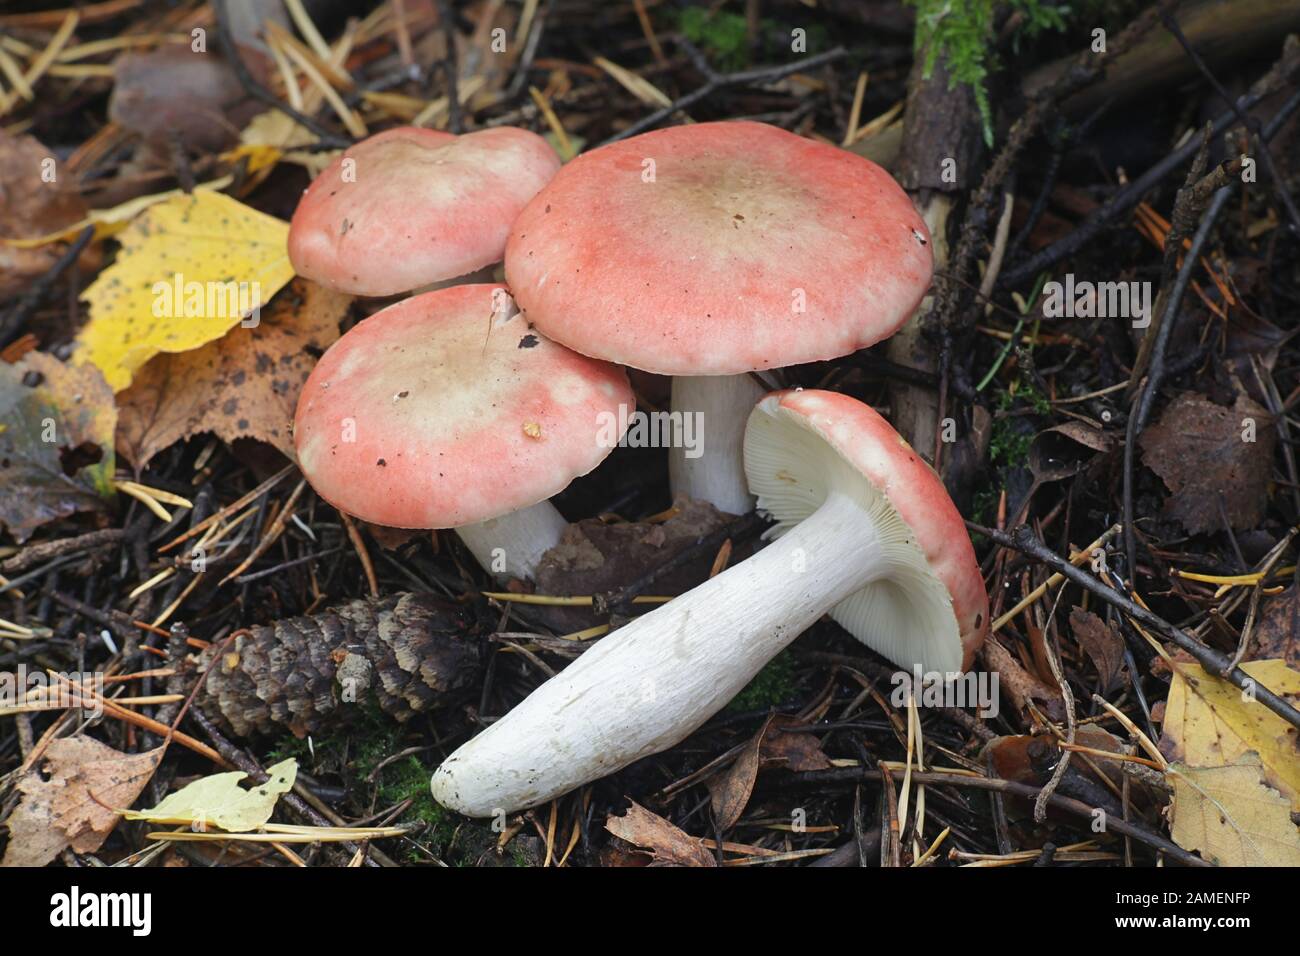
408,207
447,410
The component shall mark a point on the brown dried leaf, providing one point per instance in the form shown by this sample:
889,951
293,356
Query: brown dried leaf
790,749
1022,686
1197,447
173,93
670,845
30,207
1277,630
729,791
773,746
243,385
1100,642
67,801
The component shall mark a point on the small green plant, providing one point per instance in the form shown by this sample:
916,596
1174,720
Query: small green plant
721,34
1009,445
771,686
961,32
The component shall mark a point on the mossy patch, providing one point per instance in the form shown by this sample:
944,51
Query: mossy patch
771,686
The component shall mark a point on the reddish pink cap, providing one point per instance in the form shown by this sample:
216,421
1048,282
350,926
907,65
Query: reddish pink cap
891,619
410,206
447,409
717,249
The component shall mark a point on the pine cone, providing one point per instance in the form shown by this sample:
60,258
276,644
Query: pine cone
407,652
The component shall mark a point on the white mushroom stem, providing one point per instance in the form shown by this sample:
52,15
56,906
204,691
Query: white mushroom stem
714,470
512,545
654,681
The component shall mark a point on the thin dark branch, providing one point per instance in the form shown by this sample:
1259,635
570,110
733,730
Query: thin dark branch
13,320
1130,195
1024,540
1250,122
1029,792
450,65
714,81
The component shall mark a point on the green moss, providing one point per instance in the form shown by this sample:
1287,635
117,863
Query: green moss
1009,443
961,32
355,751
719,33
771,686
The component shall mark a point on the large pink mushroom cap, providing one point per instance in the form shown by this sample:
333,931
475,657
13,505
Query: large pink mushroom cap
447,409
410,206
718,249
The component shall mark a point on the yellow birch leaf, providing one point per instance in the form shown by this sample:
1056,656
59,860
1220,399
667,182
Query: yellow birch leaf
219,801
1230,816
1211,723
190,268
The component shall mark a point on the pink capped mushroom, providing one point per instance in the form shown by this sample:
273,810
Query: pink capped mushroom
409,206
864,531
713,250
447,410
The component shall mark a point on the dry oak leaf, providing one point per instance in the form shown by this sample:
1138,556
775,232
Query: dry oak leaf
219,801
243,385
1201,451
67,800
189,269
1231,817
1211,723
670,845
56,441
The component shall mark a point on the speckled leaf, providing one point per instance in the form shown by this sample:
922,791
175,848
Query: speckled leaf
1211,723
229,259
670,845
56,441
67,799
1231,816
243,385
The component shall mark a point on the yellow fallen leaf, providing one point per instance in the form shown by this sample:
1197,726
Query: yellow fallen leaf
1230,816
1211,723
190,268
219,801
